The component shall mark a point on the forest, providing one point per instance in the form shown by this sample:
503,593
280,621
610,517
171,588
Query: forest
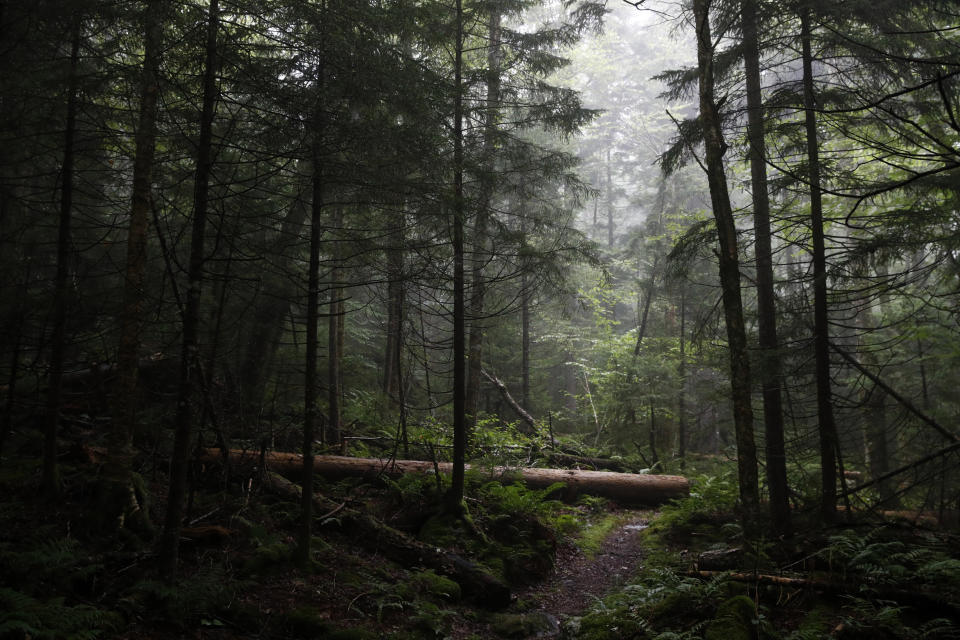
580,319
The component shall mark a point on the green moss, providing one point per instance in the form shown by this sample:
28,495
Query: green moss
268,558
618,623
441,530
524,625
432,585
306,622
592,536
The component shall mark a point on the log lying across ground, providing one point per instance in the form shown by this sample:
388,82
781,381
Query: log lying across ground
624,488
377,537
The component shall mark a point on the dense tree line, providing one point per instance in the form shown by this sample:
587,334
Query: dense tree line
285,224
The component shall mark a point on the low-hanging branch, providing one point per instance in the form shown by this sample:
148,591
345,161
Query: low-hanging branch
907,467
909,406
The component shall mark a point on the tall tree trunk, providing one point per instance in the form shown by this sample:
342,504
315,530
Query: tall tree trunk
189,354
609,202
335,336
480,241
310,412
454,497
50,480
682,400
118,499
729,269
395,305
766,300
827,427
524,342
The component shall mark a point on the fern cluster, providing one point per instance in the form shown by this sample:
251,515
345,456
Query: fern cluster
883,560
22,615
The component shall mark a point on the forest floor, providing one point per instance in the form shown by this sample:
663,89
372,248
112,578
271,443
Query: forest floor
580,578
584,571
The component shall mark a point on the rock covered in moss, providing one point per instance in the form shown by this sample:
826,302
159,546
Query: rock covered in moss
537,624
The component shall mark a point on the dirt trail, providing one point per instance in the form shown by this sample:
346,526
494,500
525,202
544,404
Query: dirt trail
578,580
575,583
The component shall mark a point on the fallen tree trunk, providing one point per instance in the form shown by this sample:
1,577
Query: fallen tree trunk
625,488
377,537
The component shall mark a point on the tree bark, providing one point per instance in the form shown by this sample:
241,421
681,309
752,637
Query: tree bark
189,355
454,497
829,442
335,337
310,412
729,269
625,488
480,240
766,300
609,203
682,400
395,307
118,499
50,479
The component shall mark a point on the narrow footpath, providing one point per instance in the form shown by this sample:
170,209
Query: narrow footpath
577,581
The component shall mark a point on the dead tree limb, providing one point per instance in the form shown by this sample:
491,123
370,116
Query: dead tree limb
520,411
909,406
907,467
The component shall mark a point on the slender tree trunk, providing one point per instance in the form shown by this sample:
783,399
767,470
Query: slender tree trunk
454,497
642,329
827,426
766,300
395,304
524,343
682,401
335,337
189,355
50,480
729,269
654,456
609,202
310,412
480,242
118,499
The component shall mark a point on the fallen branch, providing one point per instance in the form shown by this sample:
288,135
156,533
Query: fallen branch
380,538
625,488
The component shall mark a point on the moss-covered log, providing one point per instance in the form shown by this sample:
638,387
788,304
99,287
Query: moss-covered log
377,537
624,488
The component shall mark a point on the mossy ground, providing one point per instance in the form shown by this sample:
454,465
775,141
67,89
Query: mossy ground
245,584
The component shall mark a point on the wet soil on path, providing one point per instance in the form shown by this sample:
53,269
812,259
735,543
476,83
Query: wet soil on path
579,579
